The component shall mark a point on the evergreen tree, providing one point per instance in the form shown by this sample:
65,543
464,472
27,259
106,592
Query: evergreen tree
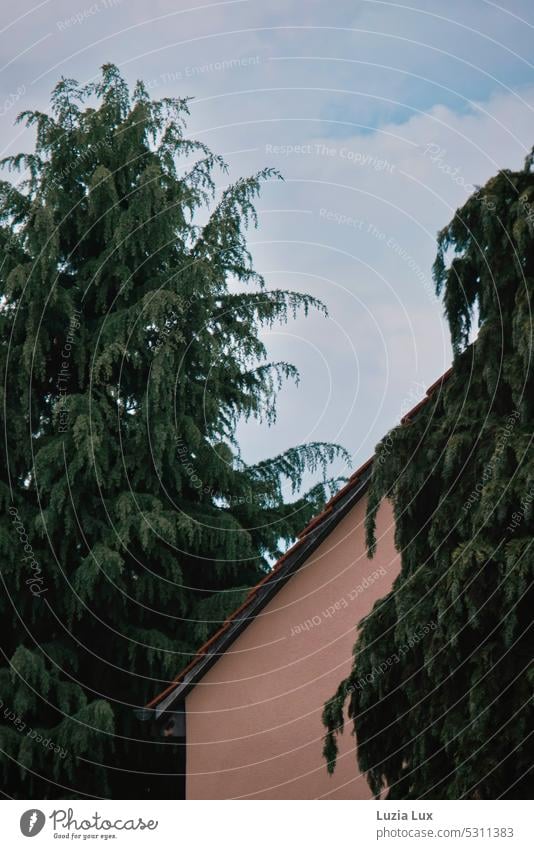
440,693
131,525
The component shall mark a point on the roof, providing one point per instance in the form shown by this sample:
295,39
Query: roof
307,541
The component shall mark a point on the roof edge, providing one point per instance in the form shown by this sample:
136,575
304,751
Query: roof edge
257,599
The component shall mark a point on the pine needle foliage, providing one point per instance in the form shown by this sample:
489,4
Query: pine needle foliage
131,524
440,692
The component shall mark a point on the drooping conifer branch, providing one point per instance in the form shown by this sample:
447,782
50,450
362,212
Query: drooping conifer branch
440,692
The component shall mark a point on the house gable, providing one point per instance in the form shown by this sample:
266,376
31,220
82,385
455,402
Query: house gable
253,722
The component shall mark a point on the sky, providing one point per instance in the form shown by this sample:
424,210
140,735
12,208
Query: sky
380,116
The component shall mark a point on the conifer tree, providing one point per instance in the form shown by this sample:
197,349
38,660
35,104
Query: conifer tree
440,692
130,317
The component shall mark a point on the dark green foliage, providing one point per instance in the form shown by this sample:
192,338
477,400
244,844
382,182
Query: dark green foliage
440,694
128,357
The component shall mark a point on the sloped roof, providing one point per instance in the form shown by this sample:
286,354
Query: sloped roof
307,541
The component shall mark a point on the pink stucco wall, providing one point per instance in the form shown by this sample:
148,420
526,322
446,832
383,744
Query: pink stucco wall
254,721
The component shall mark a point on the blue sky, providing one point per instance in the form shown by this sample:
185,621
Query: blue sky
381,117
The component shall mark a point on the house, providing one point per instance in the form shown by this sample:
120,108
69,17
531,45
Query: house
248,707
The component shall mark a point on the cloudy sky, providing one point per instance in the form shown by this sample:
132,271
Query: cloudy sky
381,117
